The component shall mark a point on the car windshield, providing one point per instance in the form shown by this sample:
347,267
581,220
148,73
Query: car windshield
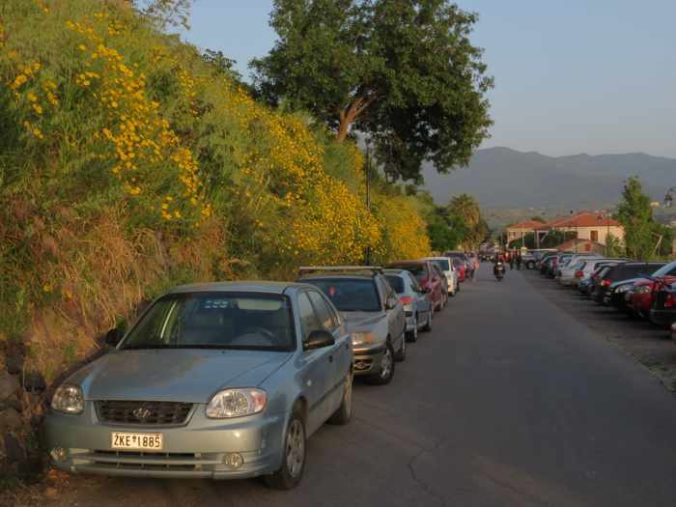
443,264
350,294
665,270
396,282
215,320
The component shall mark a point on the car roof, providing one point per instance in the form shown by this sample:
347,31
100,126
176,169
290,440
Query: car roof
260,286
333,276
395,271
436,258
408,262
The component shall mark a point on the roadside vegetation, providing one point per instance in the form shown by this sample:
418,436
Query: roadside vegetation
129,162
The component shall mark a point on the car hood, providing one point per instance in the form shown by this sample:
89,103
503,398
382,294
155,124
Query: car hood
363,321
186,375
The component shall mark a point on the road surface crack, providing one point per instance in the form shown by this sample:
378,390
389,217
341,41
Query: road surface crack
426,487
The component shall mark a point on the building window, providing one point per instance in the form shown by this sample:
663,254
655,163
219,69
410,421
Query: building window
595,236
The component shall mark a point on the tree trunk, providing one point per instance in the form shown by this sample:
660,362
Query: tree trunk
348,116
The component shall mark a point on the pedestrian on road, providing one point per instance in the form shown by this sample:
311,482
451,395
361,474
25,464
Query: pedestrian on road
511,261
518,261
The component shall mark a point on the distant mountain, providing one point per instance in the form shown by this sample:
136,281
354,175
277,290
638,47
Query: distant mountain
506,178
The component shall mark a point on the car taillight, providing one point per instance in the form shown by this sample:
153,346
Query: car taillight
605,283
578,274
406,300
669,301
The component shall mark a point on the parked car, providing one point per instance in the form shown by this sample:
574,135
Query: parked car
641,296
372,313
460,267
221,381
663,312
623,271
573,271
427,277
415,300
462,263
449,272
444,284
597,278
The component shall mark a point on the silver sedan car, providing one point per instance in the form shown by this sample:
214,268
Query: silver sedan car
221,381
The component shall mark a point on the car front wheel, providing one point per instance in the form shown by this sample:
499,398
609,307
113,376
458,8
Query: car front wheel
293,461
385,368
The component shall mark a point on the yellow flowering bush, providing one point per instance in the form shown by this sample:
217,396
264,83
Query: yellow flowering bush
131,164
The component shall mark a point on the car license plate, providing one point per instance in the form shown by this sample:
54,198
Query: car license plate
137,441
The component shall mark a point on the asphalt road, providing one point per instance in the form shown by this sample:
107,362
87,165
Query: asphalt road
509,401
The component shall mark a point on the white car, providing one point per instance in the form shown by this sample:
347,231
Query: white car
447,268
575,266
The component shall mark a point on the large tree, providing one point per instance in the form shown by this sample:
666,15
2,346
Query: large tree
465,209
641,232
402,72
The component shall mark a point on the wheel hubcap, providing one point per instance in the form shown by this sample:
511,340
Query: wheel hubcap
386,363
295,448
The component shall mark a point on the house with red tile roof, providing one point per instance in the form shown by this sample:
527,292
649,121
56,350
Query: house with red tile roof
586,225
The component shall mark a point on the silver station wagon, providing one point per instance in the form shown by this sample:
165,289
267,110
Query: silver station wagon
223,380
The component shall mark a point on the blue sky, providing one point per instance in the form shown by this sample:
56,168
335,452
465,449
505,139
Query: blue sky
572,76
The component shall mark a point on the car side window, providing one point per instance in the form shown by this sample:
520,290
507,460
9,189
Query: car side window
388,290
382,290
308,318
414,283
326,317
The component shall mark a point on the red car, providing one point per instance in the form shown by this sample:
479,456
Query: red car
460,268
642,295
428,278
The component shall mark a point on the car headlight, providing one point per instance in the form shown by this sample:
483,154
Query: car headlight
644,289
623,288
68,399
236,403
363,339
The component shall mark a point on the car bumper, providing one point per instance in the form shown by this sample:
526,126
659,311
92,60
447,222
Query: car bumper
663,318
367,359
198,449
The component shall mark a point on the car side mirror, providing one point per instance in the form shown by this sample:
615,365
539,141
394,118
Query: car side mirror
318,339
113,337
391,303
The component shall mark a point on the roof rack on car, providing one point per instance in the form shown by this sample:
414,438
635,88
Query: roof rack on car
304,270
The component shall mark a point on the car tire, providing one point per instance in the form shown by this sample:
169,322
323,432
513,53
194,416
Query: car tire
343,415
412,336
428,324
381,377
289,475
400,355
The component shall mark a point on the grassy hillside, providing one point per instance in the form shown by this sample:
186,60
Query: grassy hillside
128,164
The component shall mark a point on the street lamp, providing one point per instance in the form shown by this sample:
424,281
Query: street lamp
367,168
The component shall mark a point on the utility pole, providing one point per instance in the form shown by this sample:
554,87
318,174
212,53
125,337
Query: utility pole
367,167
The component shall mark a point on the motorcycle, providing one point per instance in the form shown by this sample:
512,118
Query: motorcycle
499,270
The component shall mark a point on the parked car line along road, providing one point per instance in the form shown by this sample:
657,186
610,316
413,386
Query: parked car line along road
526,404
